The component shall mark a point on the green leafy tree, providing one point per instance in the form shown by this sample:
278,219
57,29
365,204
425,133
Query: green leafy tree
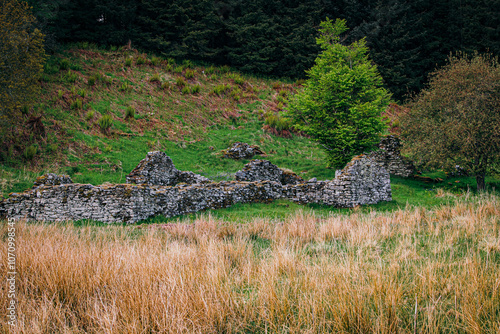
341,103
21,56
456,120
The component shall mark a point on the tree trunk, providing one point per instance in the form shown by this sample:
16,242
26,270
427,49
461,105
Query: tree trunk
481,185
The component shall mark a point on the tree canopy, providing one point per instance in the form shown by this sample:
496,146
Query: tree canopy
341,103
456,120
21,56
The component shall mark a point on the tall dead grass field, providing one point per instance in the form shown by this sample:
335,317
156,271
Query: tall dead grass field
408,271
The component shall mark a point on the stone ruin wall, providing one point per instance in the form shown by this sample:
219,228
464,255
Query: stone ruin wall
389,156
362,181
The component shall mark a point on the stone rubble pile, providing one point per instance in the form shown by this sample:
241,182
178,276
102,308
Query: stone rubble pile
158,169
362,181
259,170
51,179
242,151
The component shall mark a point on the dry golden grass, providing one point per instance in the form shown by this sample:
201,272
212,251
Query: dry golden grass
364,273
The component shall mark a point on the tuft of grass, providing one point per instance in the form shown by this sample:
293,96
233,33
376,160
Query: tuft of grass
70,77
195,89
189,74
185,90
92,80
30,152
64,64
128,62
220,90
155,78
130,112
155,61
77,104
166,86
105,123
140,60
125,87
178,69
90,115
60,94
180,82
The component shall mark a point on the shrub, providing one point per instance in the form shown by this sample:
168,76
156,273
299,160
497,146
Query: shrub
128,62
129,112
168,68
187,63
30,152
178,69
105,123
224,69
171,60
283,93
140,60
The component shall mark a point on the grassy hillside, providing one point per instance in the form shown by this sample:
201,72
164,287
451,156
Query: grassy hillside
103,110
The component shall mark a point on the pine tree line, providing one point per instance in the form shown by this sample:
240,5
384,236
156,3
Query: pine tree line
407,38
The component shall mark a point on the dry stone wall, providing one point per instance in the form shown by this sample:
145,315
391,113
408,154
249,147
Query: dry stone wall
389,155
363,181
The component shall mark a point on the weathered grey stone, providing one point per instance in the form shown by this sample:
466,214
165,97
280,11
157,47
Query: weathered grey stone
260,170
389,155
158,169
52,179
362,181
242,151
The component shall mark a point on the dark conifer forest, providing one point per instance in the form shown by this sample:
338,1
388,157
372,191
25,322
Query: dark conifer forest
407,39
